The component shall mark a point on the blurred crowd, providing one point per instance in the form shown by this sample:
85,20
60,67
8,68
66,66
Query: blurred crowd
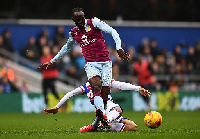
150,65
9,83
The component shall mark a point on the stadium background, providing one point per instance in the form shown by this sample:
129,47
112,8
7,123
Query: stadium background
172,27
170,22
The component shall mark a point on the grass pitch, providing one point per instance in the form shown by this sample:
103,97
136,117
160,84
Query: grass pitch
176,125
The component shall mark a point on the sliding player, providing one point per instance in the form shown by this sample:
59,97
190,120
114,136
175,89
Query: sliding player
113,111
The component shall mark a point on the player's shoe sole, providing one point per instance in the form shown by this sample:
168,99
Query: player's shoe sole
103,118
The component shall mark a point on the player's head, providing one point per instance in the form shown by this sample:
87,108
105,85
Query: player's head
78,17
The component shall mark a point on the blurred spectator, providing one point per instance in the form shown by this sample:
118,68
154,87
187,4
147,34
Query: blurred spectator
15,86
190,69
2,46
115,71
5,71
59,36
49,75
183,48
197,54
171,61
197,48
30,51
145,43
154,47
41,43
112,53
191,57
5,85
162,66
124,66
45,34
132,53
177,54
143,72
179,69
24,87
7,42
146,52
73,72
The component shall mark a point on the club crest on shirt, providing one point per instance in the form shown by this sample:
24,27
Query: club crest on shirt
87,28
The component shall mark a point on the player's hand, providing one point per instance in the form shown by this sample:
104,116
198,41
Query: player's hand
123,55
45,65
53,110
144,92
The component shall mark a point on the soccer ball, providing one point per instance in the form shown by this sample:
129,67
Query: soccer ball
153,119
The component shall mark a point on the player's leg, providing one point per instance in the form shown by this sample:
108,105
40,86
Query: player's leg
106,81
93,70
104,93
44,91
95,83
53,88
129,125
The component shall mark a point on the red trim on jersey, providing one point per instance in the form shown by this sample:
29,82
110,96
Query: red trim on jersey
82,90
112,80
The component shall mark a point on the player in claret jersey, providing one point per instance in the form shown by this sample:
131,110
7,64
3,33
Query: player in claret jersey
113,110
98,65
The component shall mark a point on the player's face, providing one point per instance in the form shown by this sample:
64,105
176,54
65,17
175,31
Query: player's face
79,19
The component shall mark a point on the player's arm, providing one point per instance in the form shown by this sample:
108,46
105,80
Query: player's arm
69,95
128,86
66,48
108,29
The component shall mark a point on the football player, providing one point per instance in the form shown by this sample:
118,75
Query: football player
113,111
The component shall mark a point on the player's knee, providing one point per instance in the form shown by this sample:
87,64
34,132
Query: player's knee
96,84
96,88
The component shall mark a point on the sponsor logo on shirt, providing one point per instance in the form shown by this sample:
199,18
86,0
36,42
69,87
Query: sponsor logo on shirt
85,41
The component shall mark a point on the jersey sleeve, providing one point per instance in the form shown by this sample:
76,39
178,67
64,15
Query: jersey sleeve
66,48
124,86
69,95
97,23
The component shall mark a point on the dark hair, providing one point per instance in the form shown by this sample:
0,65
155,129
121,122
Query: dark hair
77,9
